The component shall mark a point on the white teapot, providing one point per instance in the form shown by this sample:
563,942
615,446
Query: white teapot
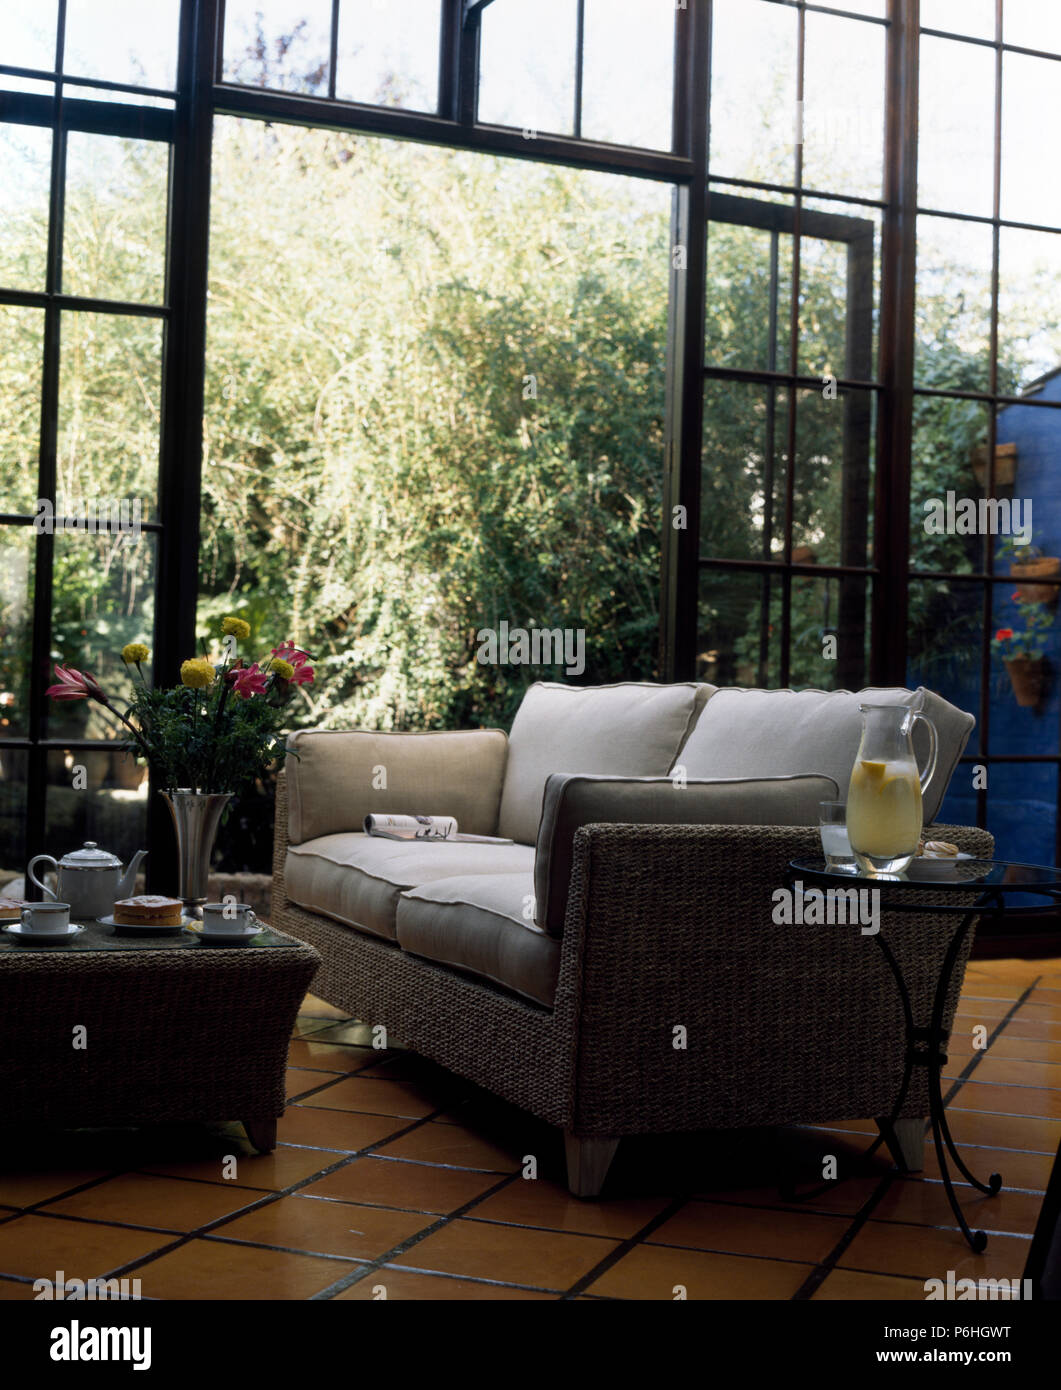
89,879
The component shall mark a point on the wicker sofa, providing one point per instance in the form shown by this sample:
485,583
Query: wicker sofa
616,969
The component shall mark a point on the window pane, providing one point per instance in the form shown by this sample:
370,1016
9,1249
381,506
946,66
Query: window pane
1031,110
103,599
749,287
25,177
628,73
527,67
956,138
282,44
1033,435
389,54
950,446
744,471
17,546
753,91
1029,307
1025,696
14,774
832,499
953,314
29,34
876,9
839,248
114,228
111,807
136,42
827,611
109,394
739,632
1022,808
946,623
21,364
973,17
843,111
1031,24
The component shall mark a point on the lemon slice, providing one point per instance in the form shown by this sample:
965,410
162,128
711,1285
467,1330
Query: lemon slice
873,769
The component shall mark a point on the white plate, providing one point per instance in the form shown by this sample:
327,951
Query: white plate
935,866
225,938
43,938
147,928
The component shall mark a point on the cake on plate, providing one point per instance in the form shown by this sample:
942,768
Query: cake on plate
148,910
11,909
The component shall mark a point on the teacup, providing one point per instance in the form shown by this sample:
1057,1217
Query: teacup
227,917
45,917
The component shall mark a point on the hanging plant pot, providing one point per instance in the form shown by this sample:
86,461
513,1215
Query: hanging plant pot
1005,464
1026,676
803,555
1045,567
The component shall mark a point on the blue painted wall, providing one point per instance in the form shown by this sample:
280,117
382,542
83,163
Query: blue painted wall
1022,798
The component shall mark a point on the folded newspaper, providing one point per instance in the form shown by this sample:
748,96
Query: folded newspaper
425,828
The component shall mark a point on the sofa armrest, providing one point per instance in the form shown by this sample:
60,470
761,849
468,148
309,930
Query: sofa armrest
573,800
684,995
336,778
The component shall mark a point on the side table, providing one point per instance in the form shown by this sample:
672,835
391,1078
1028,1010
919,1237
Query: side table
999,887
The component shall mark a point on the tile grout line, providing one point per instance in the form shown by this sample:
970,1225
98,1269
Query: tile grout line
980,1053
818,1275
625,1247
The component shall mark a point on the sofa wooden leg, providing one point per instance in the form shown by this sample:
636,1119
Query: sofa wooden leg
262,1134
906,1140
588,1161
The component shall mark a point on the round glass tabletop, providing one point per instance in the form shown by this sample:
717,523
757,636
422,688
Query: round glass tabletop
959,875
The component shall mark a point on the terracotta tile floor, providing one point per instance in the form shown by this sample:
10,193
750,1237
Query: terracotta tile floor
393,1179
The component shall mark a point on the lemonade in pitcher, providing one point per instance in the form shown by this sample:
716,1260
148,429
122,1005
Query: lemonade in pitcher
884,815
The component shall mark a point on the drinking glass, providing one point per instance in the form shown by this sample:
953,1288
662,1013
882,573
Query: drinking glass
832,822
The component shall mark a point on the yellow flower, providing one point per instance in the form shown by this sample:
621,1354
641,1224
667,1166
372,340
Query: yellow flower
236,627
134,653
197,673
283,669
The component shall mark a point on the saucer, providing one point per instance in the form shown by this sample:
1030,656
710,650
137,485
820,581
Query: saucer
43,938
930,866
230,937
142,928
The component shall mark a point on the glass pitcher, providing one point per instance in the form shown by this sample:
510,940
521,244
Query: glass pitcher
884,815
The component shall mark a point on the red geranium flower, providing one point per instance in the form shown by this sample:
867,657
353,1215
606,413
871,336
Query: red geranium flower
1003,634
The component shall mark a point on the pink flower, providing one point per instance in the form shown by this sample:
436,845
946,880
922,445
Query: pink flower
304,674
252,681
76,685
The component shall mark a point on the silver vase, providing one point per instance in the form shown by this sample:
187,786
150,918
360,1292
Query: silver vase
196,817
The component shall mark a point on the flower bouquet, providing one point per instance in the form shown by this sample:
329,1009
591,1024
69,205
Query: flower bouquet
206,739
220,729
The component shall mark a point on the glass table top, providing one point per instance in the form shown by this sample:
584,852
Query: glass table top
961,875
99,937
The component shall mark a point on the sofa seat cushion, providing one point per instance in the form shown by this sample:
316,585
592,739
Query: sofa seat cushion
357,878
477,923
634,729
779,733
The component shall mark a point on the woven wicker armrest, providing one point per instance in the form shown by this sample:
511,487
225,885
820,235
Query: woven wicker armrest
676,977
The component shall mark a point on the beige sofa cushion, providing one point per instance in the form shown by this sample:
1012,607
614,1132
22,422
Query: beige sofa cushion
573,801
773,733
334,781
477,924
635,729
357,879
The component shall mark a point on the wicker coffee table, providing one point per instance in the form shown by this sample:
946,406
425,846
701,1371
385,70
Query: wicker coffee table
121,1030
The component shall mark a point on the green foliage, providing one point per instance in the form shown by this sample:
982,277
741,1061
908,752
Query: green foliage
208,740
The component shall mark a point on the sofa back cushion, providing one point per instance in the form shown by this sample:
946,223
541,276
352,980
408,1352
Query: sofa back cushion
635,729
336,777
777,733
574,801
